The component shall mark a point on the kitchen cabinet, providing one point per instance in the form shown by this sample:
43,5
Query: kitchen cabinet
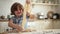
56,24
50,24
40,24
44,24
3,25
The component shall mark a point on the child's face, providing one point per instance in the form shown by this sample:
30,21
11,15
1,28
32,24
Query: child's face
18,12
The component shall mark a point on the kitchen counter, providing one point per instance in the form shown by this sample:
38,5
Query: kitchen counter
50,31
3,20
37,24
6,20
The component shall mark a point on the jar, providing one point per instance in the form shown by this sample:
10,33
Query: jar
50,14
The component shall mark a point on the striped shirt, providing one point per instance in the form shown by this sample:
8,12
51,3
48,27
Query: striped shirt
18,20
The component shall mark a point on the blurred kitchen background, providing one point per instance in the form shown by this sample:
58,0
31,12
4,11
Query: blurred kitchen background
46,14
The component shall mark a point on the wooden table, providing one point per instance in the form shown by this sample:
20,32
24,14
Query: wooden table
51,31
16,32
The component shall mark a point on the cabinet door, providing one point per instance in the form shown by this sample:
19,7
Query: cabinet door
56,24
45,24
3,26
48,24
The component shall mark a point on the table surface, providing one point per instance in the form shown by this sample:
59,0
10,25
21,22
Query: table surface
52,31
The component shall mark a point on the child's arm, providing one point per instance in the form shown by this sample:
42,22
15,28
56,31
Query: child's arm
11,24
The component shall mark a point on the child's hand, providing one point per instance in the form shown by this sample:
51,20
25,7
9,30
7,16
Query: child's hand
19,28
27,30
28,14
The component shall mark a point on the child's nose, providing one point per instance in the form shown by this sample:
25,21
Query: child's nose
19,12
